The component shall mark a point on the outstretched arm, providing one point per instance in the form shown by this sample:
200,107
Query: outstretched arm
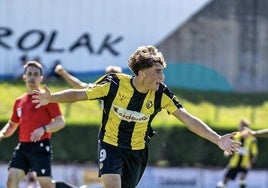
262,132
42,98
200,128
70,79
258,133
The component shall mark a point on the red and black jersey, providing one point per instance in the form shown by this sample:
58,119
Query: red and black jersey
29,118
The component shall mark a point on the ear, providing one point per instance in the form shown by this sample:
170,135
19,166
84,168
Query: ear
23,77
41,78
141,73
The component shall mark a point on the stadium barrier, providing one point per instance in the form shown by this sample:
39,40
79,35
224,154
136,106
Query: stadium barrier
156,177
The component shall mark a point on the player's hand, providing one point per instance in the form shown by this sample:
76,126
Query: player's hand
37,134
59,69
41,98
226,143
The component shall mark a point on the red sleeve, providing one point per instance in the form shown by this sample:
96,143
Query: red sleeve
54,110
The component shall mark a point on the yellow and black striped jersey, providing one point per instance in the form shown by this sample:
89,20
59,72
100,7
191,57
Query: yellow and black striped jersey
127,113
249,149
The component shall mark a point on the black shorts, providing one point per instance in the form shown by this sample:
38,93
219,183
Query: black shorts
232,172
130,164
34,156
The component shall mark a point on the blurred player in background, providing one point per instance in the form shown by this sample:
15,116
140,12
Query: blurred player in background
78,84
129,105
33,153
242,161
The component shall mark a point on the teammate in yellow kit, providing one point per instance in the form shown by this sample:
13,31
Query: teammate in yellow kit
241,161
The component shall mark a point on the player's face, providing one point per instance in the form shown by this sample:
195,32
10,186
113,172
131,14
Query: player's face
32,77
153,77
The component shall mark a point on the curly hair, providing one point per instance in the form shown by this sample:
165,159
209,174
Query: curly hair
145,57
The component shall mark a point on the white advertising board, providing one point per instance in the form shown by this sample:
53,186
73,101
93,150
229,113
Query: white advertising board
85,35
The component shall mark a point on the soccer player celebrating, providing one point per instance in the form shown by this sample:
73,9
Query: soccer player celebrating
129,105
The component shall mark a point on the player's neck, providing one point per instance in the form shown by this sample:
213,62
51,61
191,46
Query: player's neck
138,84
30,90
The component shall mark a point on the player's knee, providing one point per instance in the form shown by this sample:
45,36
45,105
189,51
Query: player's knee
13,178
111,180
46,182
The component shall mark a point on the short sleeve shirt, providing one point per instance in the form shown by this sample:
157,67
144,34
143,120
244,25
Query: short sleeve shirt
30,118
